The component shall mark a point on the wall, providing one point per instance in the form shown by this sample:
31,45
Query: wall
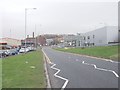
100,36
12,42
112,34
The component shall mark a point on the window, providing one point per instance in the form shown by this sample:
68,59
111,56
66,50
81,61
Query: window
93,36
88,37
84,38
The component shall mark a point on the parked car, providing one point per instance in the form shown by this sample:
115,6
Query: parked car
31,48
7,52
12,52
18,48
22,50
2,54
27,50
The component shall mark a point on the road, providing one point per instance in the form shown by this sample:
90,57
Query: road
74,71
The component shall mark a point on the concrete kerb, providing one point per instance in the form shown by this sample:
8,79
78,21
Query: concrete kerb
46,73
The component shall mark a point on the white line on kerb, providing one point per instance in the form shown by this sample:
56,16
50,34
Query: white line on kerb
58,70
83,62
48,60
111,61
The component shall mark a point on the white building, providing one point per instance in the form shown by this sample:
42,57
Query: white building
107,35
102,36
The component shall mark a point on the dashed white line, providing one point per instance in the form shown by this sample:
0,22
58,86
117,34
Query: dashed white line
83,62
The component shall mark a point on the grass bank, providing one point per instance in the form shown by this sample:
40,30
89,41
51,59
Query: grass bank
0,73
23,71
109,52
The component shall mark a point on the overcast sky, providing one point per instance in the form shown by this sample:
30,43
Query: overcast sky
56,16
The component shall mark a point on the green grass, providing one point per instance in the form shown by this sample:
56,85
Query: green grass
0,73
109,52
18,74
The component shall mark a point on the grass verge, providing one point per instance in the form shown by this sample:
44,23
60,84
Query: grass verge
0,73
24,71
108,52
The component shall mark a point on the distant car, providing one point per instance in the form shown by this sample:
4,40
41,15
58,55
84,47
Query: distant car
2,54
13,52
31,48
22,50
7,52
18,48
27,50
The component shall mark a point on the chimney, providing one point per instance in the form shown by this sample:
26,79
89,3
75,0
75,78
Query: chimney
33,34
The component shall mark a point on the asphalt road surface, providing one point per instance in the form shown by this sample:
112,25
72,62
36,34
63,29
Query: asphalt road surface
74,71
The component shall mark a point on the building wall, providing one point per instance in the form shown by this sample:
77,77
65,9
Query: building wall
29,41
12,42
112,34
49,41
99,38
70,40
41,40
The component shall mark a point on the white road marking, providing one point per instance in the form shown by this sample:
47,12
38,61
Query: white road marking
83,62
48,60
111,61
58,70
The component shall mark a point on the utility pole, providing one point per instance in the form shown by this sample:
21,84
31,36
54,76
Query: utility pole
10,37
35,37
26,24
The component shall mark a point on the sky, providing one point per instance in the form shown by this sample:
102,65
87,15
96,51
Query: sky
55,16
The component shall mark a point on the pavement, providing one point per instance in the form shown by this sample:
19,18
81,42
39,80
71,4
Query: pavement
67,70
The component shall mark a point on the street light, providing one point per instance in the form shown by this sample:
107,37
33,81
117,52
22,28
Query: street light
26,23
35,37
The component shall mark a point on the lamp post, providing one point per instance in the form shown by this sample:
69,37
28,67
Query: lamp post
26,24
35,37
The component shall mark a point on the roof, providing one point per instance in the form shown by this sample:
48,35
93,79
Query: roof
11,39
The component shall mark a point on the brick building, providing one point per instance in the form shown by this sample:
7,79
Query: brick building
30,41
41,40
